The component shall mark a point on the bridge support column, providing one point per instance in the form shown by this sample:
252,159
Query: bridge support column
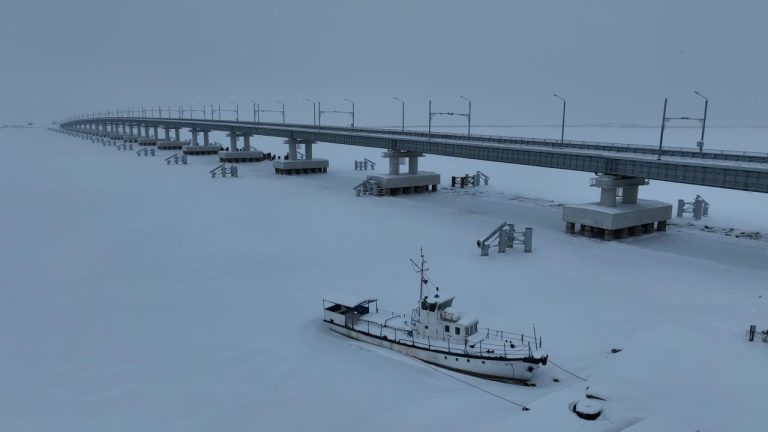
293,165
168,143
414,181
609,219
247,154
195,149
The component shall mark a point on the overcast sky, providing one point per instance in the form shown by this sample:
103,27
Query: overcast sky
614,61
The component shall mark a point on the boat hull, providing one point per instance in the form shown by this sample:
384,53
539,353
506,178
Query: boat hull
510,370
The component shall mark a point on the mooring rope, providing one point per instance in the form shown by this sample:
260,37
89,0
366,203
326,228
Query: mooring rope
525,408
565,370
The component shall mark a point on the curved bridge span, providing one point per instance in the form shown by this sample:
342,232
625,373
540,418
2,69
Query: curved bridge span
721,169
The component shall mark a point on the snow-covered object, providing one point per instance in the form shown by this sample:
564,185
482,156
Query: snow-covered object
588,409
435,333
450,314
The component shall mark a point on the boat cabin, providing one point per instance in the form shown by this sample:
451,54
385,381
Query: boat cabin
437,318
346,312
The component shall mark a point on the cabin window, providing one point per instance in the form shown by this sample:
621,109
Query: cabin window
457,330
447,329
432,307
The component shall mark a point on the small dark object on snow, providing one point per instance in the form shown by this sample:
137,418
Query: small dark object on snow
588,409
615,350
556,379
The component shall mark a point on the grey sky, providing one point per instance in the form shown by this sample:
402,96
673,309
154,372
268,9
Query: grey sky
614,61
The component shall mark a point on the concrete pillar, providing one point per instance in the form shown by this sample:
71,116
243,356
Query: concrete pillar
608,196
308,150
629,195
587,231
124,129
292,150
138,130
205,138
246,142
233,142
394,165
146,131
156,134
413,165
194,137
167,134
177,134
661,226
570,228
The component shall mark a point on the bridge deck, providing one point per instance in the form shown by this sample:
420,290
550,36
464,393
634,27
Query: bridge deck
732,170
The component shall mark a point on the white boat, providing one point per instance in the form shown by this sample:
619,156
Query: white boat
435,332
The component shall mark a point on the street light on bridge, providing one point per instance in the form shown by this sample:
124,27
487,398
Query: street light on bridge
314,111
283,111
469,114
700,144
562,125
402,127
353,111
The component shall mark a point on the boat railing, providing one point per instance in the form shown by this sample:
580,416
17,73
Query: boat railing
505,336
489,348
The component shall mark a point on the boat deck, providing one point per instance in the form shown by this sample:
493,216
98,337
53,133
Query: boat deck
487,343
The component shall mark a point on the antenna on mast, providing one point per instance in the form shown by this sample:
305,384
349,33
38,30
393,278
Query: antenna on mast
421,269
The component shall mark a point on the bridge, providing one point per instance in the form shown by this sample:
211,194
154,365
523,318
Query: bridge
620,168
746,171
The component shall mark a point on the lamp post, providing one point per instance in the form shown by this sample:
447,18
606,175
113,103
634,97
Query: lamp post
353,111
469,114
237,110
700,144
562,125
663,123
314,112
254,110
283,111
402,127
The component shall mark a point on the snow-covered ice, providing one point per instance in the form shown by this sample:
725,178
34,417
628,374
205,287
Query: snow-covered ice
140,296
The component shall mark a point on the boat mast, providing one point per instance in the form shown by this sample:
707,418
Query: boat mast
421,268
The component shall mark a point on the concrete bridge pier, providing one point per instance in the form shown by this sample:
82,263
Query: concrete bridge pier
131,136
195,149
168,143
291,164
610,219
235,155
145,139
415,181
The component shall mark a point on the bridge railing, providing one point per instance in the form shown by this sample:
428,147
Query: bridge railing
496,139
